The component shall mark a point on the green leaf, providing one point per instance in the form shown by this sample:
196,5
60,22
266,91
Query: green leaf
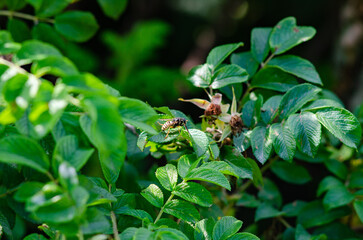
270,108
265,210
247,200
182,210
67,150
336,197
76,26
307,132
244,236
137,113
46,33
106,131
48,8
290,172
67,176
200,141
240,165
293,209
296,97
170,233
113,8
84,83
15,4
273,79
167,176
34,50
226,227
342,124
328,183
220,166
256,173
259,43
286,35
297,66
218,54
7,45
201,75
139,214
24,151
336,167
356,179
251,111
283,141
229,74
208,175
313,214
246,61
358,207
204,229
270,193
98,194
242,141
35,236
261,143
322,103
301,233
186,163
153,195
5,226
96,222
194,192
54,65
27,190
19,30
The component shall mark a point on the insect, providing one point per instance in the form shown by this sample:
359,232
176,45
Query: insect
173,123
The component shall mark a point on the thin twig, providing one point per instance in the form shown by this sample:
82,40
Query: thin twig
113,219
24,16
162,209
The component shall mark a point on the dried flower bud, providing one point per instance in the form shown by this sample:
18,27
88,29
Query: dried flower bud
236,124
213,109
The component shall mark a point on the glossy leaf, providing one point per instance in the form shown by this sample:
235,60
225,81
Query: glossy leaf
218,54
195,193
283,141
34,50
167,176
295,98
336,197
24,151
54,65
76,25
182,210
342,124
7,44
137,113
307,132
201,75
204,229
259,43
240,165
27,190
200,141
251,111
246,61
113,8
228,74
270,108
261,143
226,227
208,175
244,236
186,163
286,35
220,166
153,195
297,66
290,172
273,79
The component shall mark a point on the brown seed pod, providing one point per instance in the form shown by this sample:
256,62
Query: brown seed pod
236,124
213,109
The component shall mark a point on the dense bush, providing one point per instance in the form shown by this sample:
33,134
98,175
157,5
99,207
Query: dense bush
266,120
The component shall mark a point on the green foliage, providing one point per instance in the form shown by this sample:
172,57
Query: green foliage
57,122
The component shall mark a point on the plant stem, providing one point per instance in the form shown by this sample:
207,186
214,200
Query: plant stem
267,60
24,16
113,219
50,176
241,102
162,209
284,222
9,192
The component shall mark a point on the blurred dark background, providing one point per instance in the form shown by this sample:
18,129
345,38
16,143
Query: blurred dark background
148,51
